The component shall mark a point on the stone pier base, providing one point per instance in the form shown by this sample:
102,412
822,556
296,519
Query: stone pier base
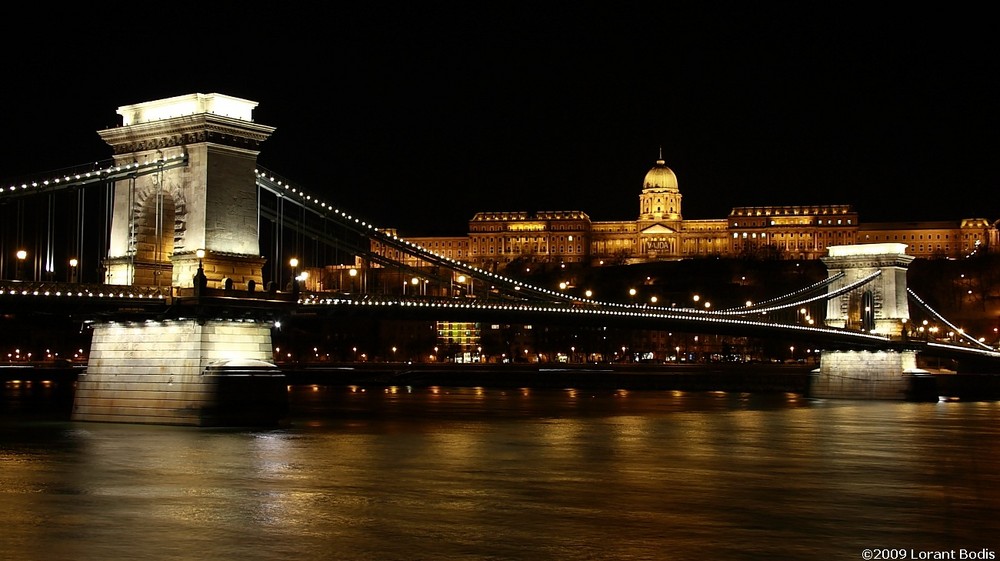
182,372
882,375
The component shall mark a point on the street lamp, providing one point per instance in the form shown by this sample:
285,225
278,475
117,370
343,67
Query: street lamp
72,269
294,263
352,272
200,282
470,287
21,256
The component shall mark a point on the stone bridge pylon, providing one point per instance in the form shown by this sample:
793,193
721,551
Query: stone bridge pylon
201,366
878,306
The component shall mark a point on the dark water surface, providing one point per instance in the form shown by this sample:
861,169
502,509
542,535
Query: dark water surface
467,474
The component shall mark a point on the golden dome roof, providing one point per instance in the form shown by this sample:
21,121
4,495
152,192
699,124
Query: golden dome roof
660,177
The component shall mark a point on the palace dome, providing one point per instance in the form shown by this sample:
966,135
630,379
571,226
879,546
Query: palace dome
660,177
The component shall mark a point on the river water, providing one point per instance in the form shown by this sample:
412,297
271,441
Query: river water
480,474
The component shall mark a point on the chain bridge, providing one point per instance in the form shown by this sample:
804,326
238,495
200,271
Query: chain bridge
178,252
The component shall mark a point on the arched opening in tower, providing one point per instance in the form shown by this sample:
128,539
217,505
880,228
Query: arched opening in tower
154,238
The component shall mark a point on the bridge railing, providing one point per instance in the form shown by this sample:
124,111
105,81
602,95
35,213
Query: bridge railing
50,288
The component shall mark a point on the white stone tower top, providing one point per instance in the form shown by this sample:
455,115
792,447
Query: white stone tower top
162,219
191,104
867,249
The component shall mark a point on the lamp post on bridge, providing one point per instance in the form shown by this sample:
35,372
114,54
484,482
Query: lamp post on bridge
353,273
415,282
200,281
294,264
21,256
72,269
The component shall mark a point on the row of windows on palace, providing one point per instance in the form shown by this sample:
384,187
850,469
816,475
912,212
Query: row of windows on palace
509,236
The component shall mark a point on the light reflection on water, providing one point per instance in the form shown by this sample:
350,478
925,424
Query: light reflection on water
447,473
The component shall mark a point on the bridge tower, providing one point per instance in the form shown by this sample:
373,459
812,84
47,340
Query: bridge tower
208,360
161,220
878,306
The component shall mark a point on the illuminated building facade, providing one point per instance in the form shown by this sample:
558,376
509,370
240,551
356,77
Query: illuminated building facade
458,341
943,239
660,233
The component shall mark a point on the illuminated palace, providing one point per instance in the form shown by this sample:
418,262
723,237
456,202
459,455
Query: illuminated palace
497,239
500,241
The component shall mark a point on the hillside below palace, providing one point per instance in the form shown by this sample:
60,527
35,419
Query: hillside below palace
660,233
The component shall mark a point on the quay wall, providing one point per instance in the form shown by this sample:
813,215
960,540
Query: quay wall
44,389
694,377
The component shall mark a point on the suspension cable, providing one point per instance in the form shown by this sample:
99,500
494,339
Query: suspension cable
257,185
19,233
132,238
279,232
934,313
158,230
80,219
109,205
50,235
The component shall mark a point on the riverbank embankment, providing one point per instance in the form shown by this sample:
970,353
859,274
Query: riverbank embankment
726,377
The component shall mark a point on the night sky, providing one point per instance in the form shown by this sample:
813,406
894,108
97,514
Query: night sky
417,117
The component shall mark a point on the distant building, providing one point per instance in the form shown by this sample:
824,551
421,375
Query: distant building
660,233
943,239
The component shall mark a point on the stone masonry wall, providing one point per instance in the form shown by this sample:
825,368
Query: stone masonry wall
864,375
153,373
